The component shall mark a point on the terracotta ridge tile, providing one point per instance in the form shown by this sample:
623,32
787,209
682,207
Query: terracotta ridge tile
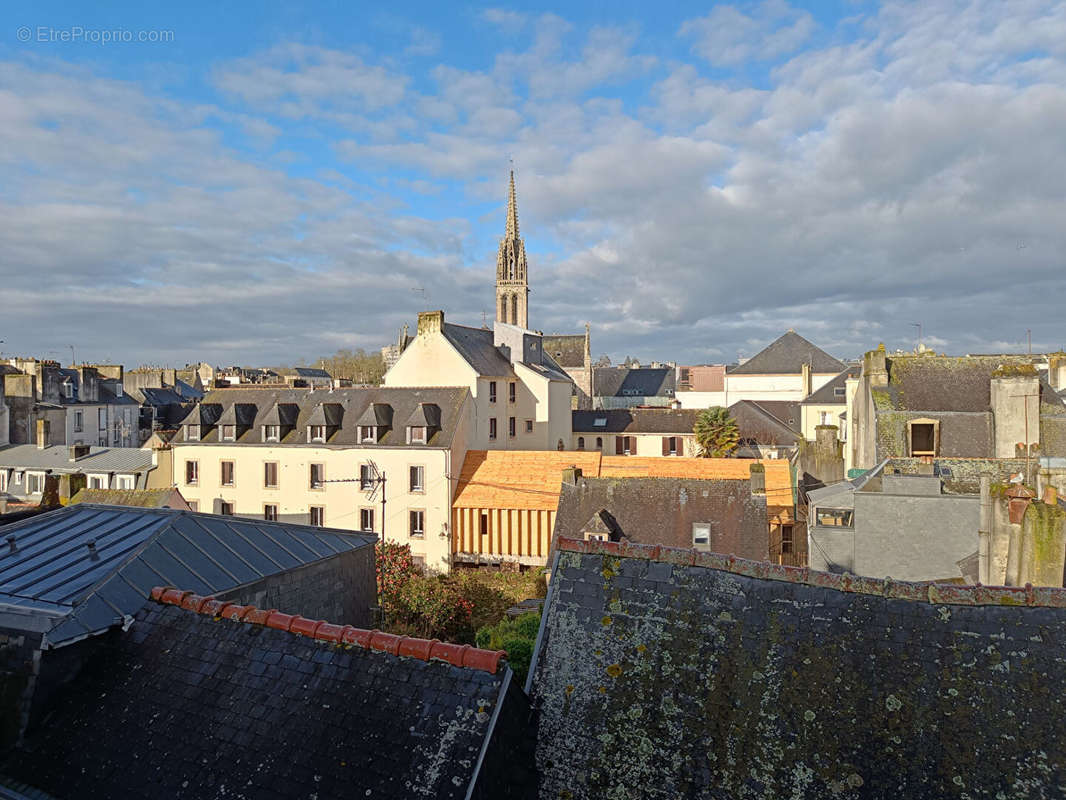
919,591
458,655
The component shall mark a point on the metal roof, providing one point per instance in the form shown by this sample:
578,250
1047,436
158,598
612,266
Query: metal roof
57,458
87,567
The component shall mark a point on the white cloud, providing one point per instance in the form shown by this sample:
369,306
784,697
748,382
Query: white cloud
729,36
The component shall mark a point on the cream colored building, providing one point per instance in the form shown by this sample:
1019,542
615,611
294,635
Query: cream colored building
329,458
636,432
829,406
520,396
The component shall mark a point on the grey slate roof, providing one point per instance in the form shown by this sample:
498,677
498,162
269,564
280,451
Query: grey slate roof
186,706
567,350
54,574
339,409
633,382
129,460
636,420
785,355
774,422
827,395
478,347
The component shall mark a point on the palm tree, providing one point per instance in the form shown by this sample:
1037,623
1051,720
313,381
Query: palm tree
716,433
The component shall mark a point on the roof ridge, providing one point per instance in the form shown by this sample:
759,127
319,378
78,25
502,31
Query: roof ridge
458,655
920,591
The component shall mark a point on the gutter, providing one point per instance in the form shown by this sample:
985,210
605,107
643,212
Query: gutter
540,630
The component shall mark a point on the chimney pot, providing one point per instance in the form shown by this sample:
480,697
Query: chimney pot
1051,495
93,554
11,543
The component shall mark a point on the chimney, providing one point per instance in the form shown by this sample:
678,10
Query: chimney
805,376
571,475
875,366
757,478
1018,500
430,322
1051,496
825,438
1056,373
78,451
50,496
42,433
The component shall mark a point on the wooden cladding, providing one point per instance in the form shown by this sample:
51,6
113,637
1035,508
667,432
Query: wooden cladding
502,532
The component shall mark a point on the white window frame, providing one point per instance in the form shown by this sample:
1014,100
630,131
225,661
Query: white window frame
125,482
366,516
320,512
413,532
321,476
3,480
271,433
366,478
192,433
195,470
316,433
701,536
417,434
99,479
420,487
368,434
38,479
267,514
79,421
227,433
277,475
222,472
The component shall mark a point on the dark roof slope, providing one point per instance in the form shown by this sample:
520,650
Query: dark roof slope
238,702
636,420
828,394
567,350
670,673
634,382
786,355
340,409
478,347
54,573
944,383
769,422
663,511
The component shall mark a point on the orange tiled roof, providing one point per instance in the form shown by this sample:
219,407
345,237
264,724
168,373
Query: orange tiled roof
530,479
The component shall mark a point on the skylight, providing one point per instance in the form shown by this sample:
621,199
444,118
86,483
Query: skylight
600,422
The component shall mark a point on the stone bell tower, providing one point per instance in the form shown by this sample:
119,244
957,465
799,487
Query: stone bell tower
512,279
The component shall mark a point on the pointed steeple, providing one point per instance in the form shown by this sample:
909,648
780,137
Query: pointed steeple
512,213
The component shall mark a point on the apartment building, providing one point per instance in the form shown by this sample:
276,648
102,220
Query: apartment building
378,460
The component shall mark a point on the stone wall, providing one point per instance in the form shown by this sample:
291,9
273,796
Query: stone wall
665,673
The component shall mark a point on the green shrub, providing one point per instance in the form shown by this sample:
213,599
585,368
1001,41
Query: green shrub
516,636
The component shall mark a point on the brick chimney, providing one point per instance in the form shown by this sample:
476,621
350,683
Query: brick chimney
757,478
42,433
430,322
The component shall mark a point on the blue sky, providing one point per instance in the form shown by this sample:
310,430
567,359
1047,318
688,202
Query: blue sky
274,182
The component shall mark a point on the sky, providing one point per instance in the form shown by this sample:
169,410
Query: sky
244,183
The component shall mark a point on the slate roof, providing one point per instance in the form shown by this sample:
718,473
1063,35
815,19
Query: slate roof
762,421
340,409
786,355
303,372
827,395
567,350
633,382
665,673
137,498
53,573
636,420
477,346
663,510
531,479
946,383
56,458
236,702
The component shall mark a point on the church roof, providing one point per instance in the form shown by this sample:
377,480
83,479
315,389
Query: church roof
786,355
567,350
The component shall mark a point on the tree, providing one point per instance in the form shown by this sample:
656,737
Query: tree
716,433
358,366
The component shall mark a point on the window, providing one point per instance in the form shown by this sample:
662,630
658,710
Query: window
192,433
624,445
366,519
492,427
3,480
529,426
511,427
701,535
68,389
418,479
669,445
101,438
97,482
318,433
595,536
368,434
580,442
124,482
17,477
599,422
512,392
227,473
492,391
270,474
229,433
225,509
366,477
115,437
79,421
416,434
192,473
35,483
318,516
824,417
923,438
599,442
418,524
101,418
318,476
786,539
270,513
836,517
484,524
272,433
193,505
839,391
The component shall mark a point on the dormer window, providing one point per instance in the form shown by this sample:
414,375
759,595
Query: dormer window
317,433
229,433
271,433
368,434
68,389
416,434
192,433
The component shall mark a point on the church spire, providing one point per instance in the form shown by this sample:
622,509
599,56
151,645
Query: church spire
512,280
